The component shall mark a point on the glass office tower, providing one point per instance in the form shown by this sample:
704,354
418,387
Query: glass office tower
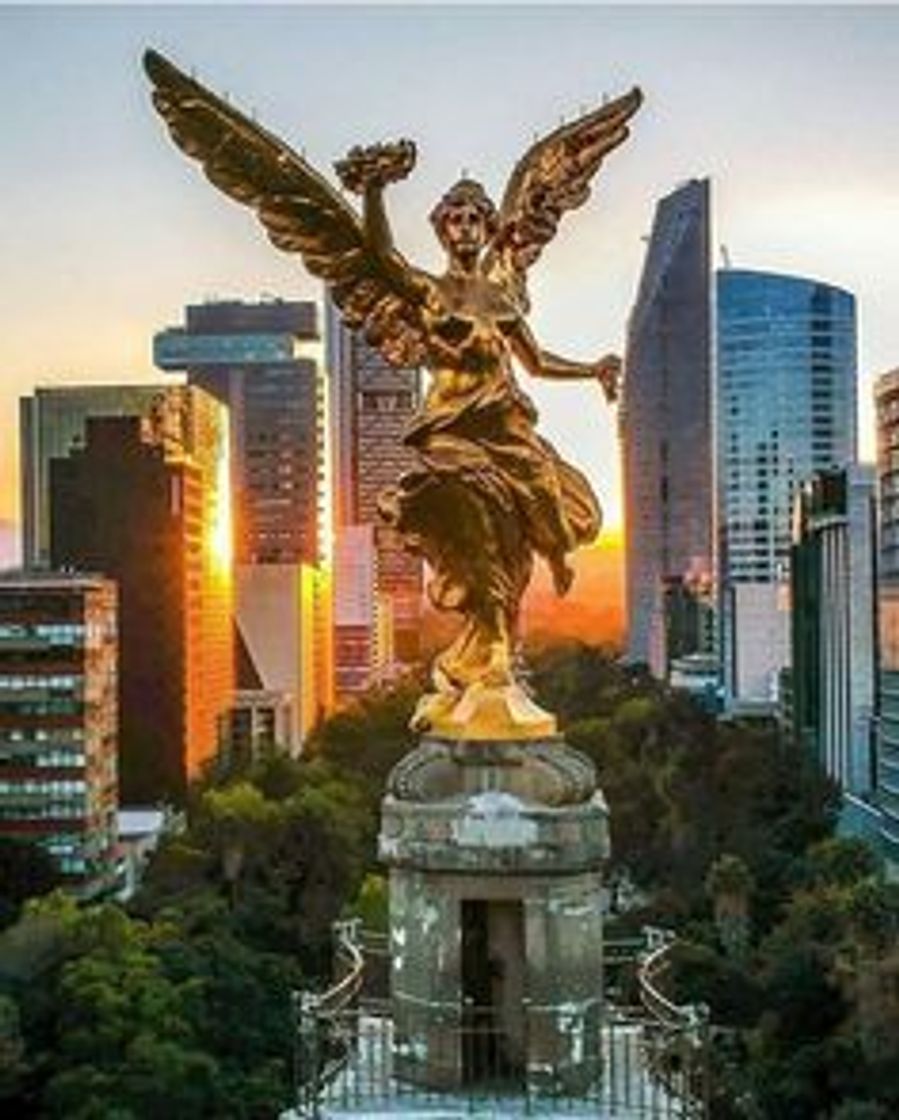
265,361
786,384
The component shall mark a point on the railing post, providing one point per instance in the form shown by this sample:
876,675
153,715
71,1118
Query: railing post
526,1008
469,1041
295,1047
310,1013
705,1068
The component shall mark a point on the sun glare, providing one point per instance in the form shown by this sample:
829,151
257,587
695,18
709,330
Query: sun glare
221,537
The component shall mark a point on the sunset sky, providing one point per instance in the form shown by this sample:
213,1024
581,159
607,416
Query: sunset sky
107,231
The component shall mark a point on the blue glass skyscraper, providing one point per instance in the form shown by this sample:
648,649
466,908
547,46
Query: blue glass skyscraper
785,407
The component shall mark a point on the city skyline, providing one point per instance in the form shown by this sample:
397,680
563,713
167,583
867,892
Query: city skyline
108,233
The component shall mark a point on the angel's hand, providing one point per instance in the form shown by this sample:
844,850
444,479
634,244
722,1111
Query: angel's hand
375,166
608,373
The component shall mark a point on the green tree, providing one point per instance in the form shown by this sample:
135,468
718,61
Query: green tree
369,738
123,1042
371,904
861,1110
26,871
12,1048
238,820
840,861
241,1014
729,883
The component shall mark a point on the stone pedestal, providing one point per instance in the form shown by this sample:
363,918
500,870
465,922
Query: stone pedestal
495,852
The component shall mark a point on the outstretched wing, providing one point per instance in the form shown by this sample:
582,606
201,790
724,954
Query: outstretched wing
553,176
300,210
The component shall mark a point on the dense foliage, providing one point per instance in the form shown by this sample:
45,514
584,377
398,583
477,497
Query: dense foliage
26,871
180,1005
787,933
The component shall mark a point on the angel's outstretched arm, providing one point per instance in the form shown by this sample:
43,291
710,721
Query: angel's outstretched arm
542,363
366,172
379,242
375,222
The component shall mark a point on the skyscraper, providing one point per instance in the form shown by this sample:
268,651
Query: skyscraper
143,510
363,622
58,725
786,382
371,404
264,360
666,425
887,403
283,612
833,669
52,422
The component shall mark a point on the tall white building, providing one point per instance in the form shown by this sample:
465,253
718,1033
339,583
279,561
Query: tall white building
363,621
666,429
284,624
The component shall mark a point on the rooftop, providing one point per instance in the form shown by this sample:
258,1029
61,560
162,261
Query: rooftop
62,580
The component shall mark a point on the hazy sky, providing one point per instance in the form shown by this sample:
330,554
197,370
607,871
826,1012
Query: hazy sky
106,230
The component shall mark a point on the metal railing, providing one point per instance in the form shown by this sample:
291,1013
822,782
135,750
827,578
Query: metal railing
688,1022
654,961
356,1054
325,1038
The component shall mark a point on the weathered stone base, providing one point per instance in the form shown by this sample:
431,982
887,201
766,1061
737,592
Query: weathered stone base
495,853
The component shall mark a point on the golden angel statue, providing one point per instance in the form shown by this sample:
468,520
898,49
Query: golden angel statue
489,492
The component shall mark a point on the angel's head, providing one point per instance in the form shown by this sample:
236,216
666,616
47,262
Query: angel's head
465,220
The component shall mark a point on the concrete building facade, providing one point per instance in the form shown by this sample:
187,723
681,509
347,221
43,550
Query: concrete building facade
58,721
283,616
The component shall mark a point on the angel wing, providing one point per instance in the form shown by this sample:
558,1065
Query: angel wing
299,209
553,176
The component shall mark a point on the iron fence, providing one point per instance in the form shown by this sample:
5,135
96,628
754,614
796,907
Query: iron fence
364,1056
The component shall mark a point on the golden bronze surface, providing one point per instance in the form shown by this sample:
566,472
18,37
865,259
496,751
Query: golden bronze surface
489,492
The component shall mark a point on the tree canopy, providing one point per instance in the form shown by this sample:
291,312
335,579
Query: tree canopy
180,1005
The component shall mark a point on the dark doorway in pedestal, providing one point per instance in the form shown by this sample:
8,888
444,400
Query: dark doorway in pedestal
493,969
